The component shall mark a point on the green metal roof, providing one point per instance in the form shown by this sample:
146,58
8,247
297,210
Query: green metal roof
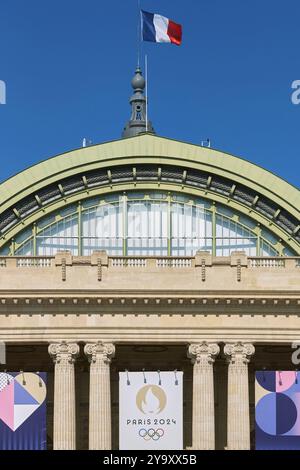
155,150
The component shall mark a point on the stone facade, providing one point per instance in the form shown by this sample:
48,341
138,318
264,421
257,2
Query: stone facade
227,308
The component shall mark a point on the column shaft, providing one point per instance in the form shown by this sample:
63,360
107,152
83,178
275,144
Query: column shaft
64,426
99,355
203,395
238,420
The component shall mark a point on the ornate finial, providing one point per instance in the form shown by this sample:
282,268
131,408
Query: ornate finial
138,82
137,123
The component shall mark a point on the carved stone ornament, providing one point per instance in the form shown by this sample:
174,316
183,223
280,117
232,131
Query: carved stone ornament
99,351
239,353
64,352
203,353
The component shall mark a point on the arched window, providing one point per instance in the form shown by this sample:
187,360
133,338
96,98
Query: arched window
154,224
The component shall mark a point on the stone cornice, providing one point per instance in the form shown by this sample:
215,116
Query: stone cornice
156,305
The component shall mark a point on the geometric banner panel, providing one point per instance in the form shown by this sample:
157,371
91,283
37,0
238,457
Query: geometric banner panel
23,411
277,410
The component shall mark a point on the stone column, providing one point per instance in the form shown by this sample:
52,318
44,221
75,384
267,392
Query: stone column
64,432
238,420
99,355
203,356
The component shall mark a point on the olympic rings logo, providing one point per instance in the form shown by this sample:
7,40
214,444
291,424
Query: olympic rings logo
154,434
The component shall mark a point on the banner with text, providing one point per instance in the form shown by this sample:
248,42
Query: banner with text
151,408
277,410
23,411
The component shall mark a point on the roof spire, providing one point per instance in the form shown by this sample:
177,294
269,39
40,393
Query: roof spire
137,123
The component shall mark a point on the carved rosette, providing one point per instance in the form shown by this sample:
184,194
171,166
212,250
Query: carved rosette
239,353
203,353
64,352
99,351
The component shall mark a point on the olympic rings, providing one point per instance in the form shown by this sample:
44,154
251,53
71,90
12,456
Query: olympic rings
154,434
144,434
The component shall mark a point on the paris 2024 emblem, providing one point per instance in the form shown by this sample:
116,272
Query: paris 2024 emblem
151,399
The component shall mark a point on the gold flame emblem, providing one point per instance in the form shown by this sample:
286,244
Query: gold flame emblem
151,399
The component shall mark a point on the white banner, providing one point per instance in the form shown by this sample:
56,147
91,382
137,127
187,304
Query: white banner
151,408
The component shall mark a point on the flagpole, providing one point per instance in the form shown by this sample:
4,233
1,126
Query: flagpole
146,77
139,33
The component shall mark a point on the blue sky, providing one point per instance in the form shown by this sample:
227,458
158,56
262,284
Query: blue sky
67,65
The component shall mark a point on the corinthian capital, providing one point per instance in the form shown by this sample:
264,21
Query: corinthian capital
64,352
203,353
99,351
239,353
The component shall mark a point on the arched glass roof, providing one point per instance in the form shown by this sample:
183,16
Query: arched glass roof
145,223
148,195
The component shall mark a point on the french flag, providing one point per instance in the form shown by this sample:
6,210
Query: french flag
157,28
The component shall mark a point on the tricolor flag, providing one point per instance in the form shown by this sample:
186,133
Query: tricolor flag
157,28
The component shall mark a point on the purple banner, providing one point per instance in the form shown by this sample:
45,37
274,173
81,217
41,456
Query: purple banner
23,411
277,410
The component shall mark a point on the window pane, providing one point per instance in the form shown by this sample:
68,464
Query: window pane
102,229
231,236
143,228
191,229
147,228
62,235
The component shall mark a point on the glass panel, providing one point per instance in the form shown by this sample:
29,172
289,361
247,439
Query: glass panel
23,236
267,235
93,201
191,229
250,223
26,249
288,252
231,236
158,195
267,250
110,198
102,229
72,209
136,195
227,211
5,251
46,221
147,228
62,235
